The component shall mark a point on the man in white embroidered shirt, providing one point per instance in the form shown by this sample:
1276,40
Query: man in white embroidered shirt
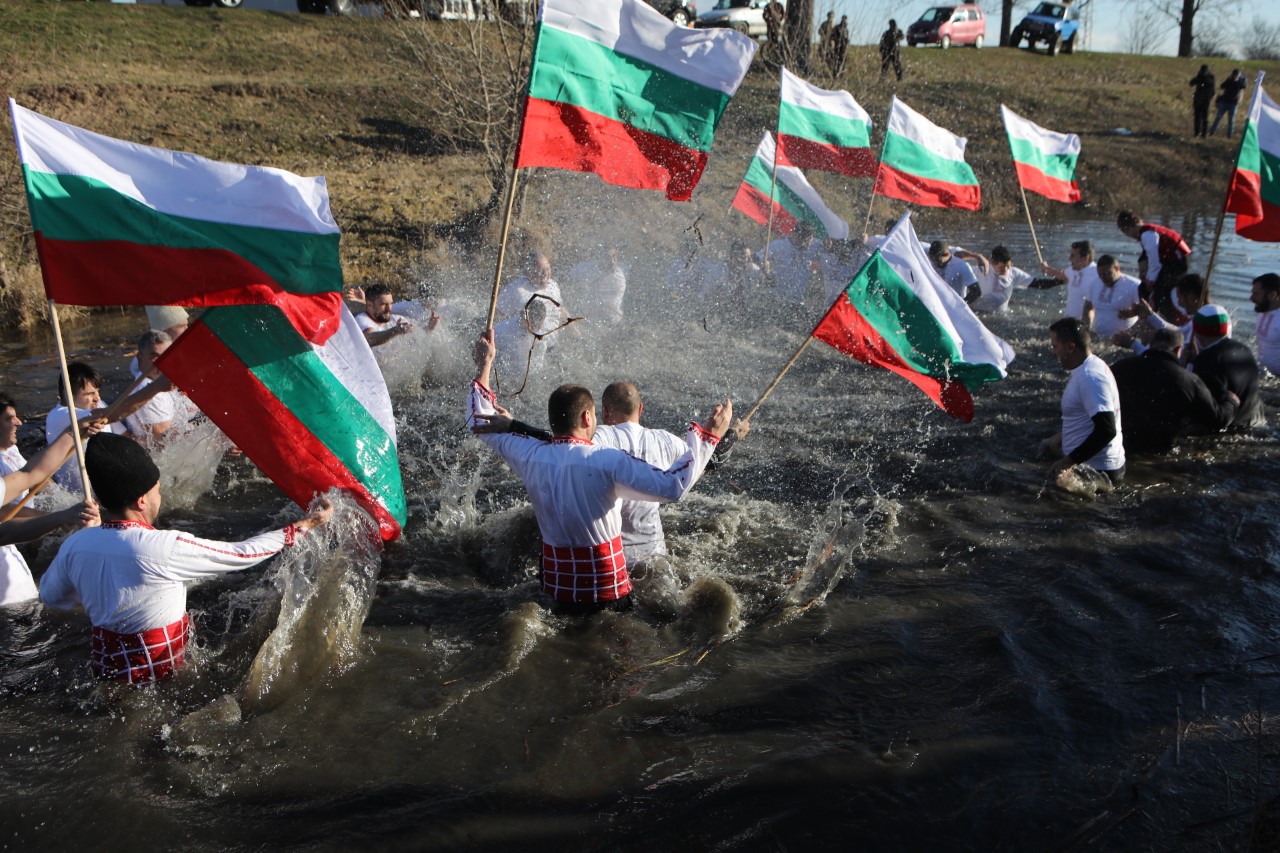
576,488
130,577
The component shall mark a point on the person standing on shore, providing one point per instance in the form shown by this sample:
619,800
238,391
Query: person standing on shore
1229,101
1201,99
891,50
839,46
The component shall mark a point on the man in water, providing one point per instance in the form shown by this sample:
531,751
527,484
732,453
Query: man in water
1166,254
1189,295
998,278
1091,423
790,264
1265,296
379,322
1111,304
160,414
953,267
1079,276
86,387
576,488
130,578
621,408
1227,365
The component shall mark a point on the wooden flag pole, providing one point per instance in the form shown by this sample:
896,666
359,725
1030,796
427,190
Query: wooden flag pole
502,247
1035,241
69,399
872,204
773,193
774,384
1222,214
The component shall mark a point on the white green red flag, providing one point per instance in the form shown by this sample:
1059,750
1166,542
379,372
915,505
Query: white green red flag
898,314
1045,160
824,130
118,223
619,90
792,198
1255,186
922,163
312,417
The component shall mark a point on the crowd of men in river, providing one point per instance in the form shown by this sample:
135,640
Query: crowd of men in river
595,483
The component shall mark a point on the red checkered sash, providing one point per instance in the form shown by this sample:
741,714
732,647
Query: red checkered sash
590,573
141,658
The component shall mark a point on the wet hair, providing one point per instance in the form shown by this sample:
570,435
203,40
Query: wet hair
532,258
1084,247
152,338
1069,330
1000,255
1269,282
938,247
1190,283
376,291
6,402
1108,261
804,229
82,376
1127,219
565,408
621,398
1169,340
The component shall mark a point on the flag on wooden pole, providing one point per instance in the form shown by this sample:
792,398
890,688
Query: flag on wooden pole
792,198
924,164
1254,196
1045,160
823,130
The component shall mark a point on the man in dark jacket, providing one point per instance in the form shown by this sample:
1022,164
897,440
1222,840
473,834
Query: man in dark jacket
1227,365
1161,401
1201,99
1229,100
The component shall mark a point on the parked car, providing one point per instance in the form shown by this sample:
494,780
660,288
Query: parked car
678,11
745,16
1055,24
948,25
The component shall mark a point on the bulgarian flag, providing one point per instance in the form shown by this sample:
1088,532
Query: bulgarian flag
123,224
824,130
618,90
792,198
1255,186
1045,160
898,314
312,417
924,164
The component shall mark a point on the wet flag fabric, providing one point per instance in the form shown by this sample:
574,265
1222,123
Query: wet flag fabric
898,314
332,426
1255,186
619,90
824,130
924,164
1045,160
118,223
794,199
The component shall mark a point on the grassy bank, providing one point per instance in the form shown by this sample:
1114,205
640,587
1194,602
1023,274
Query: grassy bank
321,95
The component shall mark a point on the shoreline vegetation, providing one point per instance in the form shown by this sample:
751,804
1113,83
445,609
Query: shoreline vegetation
344,98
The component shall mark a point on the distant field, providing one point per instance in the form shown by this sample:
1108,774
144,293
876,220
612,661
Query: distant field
323,95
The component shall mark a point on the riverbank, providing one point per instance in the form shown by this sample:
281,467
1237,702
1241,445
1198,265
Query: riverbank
336,97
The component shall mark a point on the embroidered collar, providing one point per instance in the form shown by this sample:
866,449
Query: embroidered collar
569,439
125,524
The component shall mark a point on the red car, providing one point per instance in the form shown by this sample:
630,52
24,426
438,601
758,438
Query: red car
948,25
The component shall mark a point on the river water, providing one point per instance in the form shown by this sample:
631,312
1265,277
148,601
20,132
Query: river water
878,628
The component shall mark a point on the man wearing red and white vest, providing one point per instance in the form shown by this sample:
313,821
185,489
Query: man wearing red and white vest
576,488
1166,253
130,578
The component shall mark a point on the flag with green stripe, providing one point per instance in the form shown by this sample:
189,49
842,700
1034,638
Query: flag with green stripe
792,199
1255,184
924,164
1045,160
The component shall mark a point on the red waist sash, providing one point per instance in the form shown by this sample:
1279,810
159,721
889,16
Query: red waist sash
141,658
590,573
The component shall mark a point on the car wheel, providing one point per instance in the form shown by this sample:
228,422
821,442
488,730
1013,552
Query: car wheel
680,17
910,43
228,4
1052,48
1069,45
977,43
342,7
741,26
945,43
199,2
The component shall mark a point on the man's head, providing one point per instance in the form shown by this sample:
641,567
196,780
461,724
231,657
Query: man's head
1265,294
1167,340
1210,324
151,345
538,269
1001,260
893,25
620,403
1129,223
939,253
1109,270
802,235
378,300
831,16
1204,69
1069,339
9,422
85,386
1081,254
124,478
571,410
1190,290
170,319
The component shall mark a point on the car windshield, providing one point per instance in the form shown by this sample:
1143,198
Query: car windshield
1050,10
733,4
938,14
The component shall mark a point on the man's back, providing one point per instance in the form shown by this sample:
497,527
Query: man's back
641,525
1230,364
1161,400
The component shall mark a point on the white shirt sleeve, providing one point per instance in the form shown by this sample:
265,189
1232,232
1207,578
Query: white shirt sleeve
636,480
193,557
1151,243
514,449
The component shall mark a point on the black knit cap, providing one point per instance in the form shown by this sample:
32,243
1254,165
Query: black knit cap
119,470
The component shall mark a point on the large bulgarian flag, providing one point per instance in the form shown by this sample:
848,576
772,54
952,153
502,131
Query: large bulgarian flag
1045,160
824,130
924,164
792,198
1255,186
123,224
898,314
311,416
619,90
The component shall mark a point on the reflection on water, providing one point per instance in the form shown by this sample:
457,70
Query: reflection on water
875,623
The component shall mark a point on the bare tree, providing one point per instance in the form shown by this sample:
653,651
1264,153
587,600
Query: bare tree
1261,40
1144,34
1184,13
1212,40
1006,20
799,36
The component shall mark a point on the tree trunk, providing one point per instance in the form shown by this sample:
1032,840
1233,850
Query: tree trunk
800,35
1006,21
1185,33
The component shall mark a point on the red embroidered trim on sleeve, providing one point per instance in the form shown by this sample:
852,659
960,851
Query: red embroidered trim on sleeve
709,438
291,534
489,395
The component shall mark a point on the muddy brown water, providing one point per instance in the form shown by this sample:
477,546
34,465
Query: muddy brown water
878,629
